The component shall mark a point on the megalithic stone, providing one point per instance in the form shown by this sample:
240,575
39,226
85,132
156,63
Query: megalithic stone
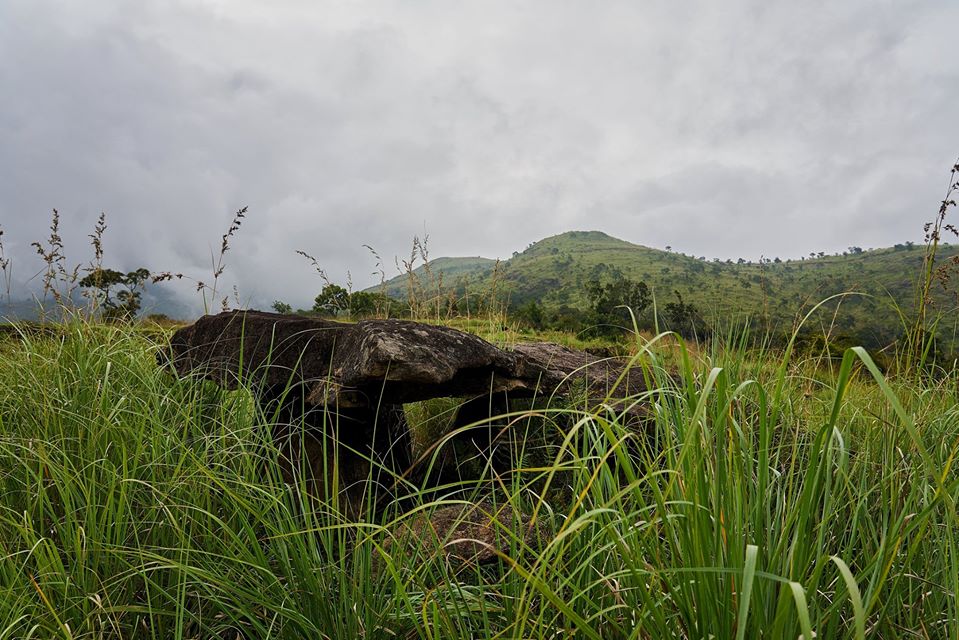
338,388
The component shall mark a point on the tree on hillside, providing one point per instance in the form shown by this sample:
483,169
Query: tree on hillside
532,314
364,303
684,318
281,307
610,303
115,292
334,300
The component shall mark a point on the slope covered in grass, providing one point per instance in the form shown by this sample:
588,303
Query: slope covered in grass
444,271
554,272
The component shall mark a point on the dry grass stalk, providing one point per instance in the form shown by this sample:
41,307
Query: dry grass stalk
413,295
58,281
6,266
382,302
96,266
316,266
219,264
933,237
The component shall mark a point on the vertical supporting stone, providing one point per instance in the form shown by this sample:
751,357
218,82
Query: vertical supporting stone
488,442
353,454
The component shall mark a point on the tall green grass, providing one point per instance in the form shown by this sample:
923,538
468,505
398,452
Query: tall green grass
767,496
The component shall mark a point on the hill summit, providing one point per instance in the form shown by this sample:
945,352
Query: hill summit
554,273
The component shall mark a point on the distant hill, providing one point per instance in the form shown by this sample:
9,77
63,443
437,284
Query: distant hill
453,271
19,310
554,272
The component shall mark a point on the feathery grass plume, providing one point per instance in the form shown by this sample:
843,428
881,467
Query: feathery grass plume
945,272
51,255
165,276
451,303
762,285
95,269
921,335
335,299
495,309
434,287
209,290
96,240
58,281
316,266
431,297
219,265
6,266
383,300
413,286
328,285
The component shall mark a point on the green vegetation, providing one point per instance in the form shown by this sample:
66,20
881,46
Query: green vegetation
453,268
771,495
105,283
555,275
778,489
334,300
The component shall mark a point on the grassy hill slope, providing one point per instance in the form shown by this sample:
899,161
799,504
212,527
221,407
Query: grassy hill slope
452,271
554,272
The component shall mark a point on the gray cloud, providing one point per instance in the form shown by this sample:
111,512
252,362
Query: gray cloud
722,129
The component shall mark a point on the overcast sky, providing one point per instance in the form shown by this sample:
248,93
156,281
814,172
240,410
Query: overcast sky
724,129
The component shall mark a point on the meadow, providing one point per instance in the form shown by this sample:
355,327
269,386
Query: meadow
773,494
776,489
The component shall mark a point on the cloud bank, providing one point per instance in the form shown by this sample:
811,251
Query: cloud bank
722,129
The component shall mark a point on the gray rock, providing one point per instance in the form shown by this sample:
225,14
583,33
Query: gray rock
339,387
380,361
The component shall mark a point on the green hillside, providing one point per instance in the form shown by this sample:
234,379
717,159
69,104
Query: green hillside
452,271
554,273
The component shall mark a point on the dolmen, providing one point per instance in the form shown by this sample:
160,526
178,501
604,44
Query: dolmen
335,391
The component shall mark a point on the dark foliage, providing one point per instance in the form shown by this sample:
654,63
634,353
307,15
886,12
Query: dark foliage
614,305
116,293
684,318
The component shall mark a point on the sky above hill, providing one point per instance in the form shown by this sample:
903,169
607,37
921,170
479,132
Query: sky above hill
722,129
